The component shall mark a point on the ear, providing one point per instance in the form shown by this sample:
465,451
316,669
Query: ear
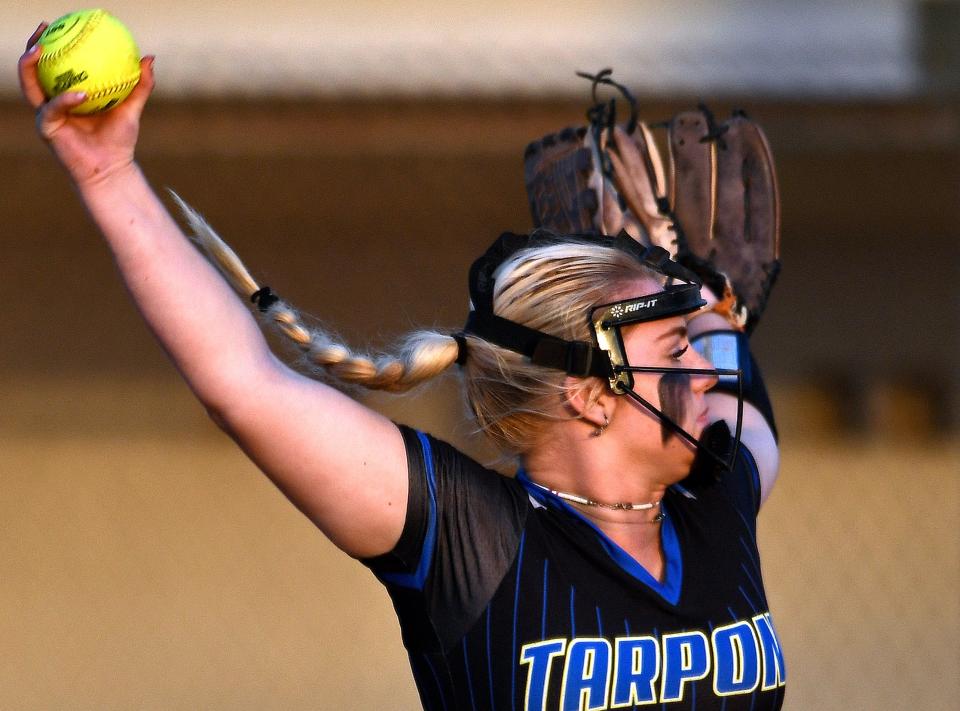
588,399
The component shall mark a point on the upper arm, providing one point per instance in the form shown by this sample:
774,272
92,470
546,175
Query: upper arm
756,435
342,464
339,462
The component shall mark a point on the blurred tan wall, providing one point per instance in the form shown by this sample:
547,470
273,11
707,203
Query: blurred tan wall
400,195
147,565
499,47
159,572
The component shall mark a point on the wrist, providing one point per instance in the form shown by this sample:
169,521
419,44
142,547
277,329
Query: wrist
722,302
106,177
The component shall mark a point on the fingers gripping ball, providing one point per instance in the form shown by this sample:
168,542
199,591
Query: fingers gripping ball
89,51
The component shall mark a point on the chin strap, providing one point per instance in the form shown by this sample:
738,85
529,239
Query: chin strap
573,357
715,440
722,457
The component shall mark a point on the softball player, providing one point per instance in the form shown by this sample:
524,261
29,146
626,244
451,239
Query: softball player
618,568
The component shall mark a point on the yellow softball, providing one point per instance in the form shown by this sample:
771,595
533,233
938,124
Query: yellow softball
89,51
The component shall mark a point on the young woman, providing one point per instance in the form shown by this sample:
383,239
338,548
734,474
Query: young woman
618,568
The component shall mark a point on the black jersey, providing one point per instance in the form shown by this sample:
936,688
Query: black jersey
510,599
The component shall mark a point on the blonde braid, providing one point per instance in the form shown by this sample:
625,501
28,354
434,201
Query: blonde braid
423,355
550,288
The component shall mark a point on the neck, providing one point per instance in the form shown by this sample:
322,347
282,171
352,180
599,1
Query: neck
600,469
589,474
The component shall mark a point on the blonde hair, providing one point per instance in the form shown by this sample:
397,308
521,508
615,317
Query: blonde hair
550,287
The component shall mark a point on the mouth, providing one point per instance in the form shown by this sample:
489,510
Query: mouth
703,418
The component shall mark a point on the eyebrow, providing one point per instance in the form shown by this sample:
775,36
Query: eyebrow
675,332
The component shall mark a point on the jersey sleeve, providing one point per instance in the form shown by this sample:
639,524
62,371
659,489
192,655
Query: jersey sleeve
461,534
406,565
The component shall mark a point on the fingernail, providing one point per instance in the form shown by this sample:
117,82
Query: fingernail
33,49
78,95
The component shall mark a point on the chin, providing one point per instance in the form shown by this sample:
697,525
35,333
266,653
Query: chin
684,461
689,450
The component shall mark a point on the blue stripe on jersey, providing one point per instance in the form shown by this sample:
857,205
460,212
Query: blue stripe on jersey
669,589
516,605
417,579
756,588
466,666
543,615
436,680
573,620
751,554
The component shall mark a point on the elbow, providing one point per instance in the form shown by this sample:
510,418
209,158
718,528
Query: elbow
227,408
218,416
228,398
231,410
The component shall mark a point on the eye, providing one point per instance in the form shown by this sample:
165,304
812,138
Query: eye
677,355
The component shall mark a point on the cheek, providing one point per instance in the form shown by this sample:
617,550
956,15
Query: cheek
674,391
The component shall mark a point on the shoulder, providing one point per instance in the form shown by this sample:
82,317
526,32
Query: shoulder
454,479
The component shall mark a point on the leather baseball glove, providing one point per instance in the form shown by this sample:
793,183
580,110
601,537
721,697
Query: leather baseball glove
719,213
601,178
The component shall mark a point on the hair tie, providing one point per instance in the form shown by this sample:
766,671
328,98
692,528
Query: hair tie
264,298
461,347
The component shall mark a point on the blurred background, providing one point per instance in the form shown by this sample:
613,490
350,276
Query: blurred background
358,157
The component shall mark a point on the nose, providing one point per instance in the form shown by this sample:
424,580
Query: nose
701,383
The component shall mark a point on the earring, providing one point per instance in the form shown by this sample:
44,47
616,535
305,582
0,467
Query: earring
599,430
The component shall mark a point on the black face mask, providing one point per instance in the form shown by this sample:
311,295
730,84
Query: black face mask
606,357
673,389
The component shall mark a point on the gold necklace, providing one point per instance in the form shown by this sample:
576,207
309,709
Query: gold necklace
618,506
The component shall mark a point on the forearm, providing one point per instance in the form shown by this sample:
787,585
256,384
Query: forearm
706,321
727,348
758,428
205,329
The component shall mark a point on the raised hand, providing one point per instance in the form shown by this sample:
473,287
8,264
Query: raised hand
93,146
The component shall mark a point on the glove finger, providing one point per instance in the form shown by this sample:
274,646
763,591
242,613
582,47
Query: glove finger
633,179
649,147
692,182
635,229
637,180
560,176
610,211
598,183
746,244
641,166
